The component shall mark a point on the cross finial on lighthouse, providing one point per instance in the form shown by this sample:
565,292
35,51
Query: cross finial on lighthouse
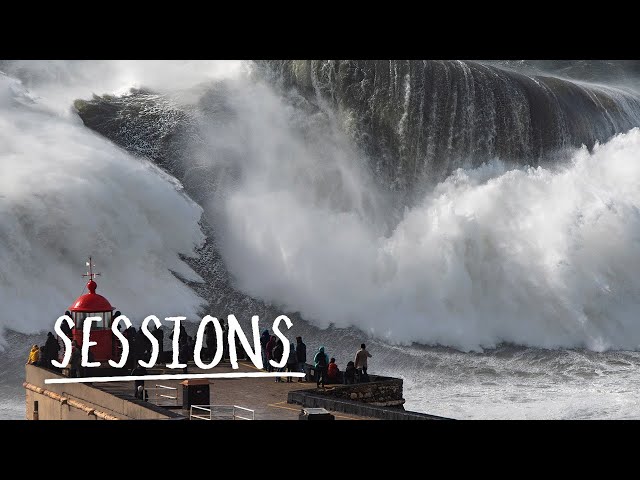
90,273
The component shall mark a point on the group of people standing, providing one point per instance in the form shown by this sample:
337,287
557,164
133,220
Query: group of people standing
43,354
273,349
327,370
140,345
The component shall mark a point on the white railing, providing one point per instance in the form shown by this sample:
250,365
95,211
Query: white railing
162,395
221,412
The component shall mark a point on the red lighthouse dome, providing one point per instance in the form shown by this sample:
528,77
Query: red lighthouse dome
91,302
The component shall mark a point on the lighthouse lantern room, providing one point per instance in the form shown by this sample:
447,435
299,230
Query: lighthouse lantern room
93,305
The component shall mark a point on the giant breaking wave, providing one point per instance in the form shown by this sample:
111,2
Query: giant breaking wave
392,199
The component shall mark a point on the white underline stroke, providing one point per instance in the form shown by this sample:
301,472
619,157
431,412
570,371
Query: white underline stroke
178,376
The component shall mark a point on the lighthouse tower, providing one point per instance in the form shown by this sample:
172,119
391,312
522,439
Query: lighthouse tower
93,305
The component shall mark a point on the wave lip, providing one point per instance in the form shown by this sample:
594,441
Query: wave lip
420,120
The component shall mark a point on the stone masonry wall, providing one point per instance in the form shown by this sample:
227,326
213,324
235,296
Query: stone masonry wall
381,391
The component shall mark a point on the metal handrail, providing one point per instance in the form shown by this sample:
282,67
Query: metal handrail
158,396
199,417
234,412
251,412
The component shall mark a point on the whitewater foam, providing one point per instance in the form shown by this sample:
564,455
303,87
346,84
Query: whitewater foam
66,193
530,256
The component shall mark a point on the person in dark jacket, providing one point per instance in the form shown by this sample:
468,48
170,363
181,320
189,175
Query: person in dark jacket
43,359
333,372
350,373
264,339
292,362
138,386
225,339
210,337
184,352
52,347
320,362
240,351
141,345
132,359
269,351
278,351
90,356
66,329
76,357
159,334
182,336
148,345
191,342
301,353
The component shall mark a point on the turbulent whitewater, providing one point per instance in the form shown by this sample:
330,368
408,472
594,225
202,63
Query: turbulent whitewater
304,216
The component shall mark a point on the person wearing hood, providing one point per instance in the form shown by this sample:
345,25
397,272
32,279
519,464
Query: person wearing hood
142,347
350,373
210,336
159,334
130,335
75,365
225,338
292,362
264,339
333,372
184,352
34,355
301,353
320,361
66,329
277,353
269,352
44,358
51,347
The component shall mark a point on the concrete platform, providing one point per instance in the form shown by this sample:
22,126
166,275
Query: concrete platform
265,396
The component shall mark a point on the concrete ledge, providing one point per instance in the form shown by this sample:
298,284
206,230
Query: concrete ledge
55,400
312,399
169,413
